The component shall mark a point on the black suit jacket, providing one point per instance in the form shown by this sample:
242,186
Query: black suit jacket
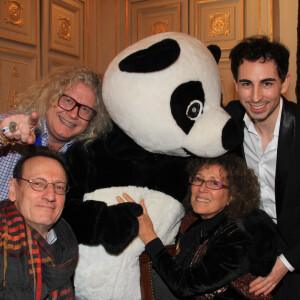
287,188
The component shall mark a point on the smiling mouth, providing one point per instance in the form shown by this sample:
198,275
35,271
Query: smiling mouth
44,206
203,200
66,122
258,107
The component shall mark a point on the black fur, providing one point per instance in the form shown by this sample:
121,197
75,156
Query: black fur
215,51
155,58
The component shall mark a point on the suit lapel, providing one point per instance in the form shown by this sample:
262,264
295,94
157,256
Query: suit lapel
284,151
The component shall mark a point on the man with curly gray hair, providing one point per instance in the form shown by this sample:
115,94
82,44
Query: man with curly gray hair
65,106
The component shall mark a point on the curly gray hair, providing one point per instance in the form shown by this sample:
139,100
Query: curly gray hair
45,93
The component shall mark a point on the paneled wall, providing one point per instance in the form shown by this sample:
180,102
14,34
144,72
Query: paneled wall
63,33
19,48
38,35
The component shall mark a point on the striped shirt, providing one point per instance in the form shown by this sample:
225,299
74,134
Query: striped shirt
9,160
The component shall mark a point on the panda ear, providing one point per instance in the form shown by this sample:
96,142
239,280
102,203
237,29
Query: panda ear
215,51
155,58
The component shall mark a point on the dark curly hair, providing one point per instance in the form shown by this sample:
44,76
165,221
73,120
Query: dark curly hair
244,189
256,47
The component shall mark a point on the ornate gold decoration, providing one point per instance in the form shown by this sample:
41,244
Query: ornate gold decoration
159,27
14,12
64,28
219,24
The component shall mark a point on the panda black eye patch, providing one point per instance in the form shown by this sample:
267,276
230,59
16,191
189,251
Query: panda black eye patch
187,103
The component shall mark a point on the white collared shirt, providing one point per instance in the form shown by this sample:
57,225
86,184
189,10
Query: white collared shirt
264,165
263,162
51,237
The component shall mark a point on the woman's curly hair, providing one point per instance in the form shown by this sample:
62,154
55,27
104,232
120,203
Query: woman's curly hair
46,92
244,189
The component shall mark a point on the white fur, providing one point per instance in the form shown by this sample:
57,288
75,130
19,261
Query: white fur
100,275
140,102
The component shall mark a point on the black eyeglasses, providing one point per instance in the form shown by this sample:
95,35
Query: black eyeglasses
40,184
68,103
211,184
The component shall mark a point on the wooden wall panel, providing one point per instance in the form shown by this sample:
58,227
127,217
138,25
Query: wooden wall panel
18,21
37,36
64,27
219,22
18,70
20,48
66,23
145,18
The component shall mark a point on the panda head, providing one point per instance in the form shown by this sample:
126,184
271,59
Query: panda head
165,93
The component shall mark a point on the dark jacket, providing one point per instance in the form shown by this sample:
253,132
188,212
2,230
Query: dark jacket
216,252
287,192
30,268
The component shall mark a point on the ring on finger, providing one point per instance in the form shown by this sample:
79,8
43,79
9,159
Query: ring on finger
13,126
5,130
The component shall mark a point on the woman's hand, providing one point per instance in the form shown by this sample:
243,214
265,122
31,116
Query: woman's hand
146,230
24,133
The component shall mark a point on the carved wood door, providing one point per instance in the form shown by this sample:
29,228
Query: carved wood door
36,36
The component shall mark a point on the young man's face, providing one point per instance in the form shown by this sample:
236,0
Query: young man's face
259,88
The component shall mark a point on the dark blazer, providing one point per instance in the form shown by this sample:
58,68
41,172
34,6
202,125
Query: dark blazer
287,192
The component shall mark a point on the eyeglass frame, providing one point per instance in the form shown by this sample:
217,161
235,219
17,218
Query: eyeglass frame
220,186
79,106
30,181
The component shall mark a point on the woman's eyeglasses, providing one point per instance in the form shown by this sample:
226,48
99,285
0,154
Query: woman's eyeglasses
211,184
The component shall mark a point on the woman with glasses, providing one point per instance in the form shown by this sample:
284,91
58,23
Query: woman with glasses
225,241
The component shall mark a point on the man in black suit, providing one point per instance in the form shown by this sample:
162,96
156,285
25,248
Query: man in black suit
272,148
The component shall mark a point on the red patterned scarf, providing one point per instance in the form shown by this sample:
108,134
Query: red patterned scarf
30,268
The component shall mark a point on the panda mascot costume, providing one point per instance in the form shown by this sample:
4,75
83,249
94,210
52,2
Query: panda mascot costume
163,94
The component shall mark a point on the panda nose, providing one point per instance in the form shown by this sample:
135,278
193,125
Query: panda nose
232,134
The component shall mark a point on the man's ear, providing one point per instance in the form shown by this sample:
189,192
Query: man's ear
236,85
12,189
286,83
